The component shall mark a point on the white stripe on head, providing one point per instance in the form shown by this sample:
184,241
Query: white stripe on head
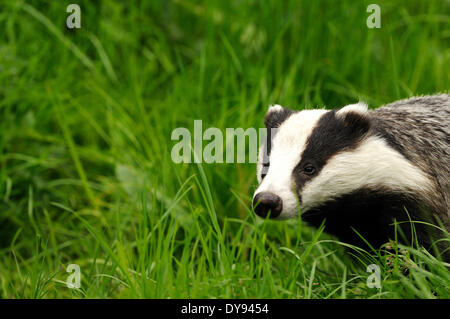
287,147
373,164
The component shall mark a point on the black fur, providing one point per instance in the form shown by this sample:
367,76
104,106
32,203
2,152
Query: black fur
372,214
272,121
274,118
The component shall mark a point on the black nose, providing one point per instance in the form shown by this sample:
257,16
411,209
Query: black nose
266,202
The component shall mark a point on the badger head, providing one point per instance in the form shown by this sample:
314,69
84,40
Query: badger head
315,157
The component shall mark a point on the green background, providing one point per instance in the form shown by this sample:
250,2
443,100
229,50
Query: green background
86,117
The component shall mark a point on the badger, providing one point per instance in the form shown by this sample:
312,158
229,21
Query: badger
366,174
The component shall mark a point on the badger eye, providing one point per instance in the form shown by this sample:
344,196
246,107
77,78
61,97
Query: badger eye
262,176
309,169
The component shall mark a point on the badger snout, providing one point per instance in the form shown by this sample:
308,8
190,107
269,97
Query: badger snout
265,202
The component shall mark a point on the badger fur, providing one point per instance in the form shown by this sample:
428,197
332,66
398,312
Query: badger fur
360,170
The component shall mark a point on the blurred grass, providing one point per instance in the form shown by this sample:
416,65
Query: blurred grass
85,123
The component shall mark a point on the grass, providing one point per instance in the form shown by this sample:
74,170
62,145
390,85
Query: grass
85,123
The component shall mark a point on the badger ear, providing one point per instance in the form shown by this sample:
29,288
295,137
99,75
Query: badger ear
355,117
360,108
276,115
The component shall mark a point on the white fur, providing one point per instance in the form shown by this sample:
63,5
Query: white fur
287,147
274,108
372,164
359,107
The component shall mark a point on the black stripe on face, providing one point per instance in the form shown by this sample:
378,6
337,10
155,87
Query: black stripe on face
332,134
275,118
266,150
272,121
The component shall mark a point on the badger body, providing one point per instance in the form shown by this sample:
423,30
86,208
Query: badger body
360,170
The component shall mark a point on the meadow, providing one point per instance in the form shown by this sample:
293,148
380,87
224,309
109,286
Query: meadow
86,116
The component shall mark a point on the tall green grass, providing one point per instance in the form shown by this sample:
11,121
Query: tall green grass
85,123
